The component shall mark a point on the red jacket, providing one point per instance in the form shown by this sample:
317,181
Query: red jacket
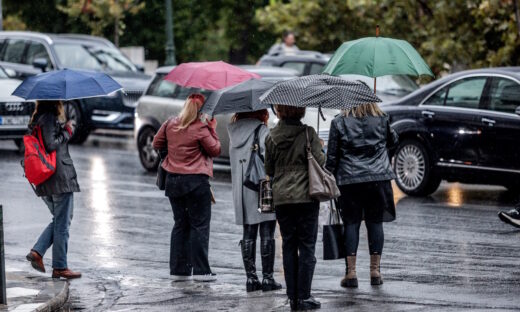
191,150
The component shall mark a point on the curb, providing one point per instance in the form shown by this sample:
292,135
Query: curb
56,302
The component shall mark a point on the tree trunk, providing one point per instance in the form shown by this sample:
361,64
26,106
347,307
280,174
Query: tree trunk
517,16
116,25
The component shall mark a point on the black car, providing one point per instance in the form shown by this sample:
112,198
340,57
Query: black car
464,127
28,53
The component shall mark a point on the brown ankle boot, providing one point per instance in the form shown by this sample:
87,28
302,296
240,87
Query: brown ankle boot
65,273
36,261
375,273
350,279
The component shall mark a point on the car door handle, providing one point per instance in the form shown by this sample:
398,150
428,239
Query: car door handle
428,114
489,122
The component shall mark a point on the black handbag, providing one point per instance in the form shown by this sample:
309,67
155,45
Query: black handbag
255,169
161,173
334,235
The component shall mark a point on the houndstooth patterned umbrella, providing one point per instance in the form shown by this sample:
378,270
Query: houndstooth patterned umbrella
321,91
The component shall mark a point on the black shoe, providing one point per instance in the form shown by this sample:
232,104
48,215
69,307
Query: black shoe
248,247
267,252
308,304
511,217
294,304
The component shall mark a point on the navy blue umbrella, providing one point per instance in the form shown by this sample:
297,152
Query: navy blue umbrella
66,84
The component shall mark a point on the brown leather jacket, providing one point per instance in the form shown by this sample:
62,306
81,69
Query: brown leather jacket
191,150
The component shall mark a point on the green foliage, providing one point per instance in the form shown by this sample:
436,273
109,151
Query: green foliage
449,34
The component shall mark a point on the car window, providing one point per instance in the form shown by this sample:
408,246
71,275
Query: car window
504,95
14,51
73,55
437,98
316,68
298,66
164,88
36,50
466,93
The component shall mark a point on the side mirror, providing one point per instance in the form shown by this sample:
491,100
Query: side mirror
41,63
517,110
11,73
139,68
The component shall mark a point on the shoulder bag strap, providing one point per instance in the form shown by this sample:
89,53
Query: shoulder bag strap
256,142
308,146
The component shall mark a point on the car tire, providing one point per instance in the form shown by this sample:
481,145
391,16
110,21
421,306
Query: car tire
414,170
73,112
147,154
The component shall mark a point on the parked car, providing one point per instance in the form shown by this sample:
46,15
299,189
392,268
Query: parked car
304,62
163,99
15,113
29,53
464,127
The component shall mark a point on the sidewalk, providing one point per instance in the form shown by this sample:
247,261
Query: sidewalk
34,292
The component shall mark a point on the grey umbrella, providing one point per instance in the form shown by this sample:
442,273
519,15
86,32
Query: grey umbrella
239,98
322,91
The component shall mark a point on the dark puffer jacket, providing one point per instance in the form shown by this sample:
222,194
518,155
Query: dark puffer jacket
286,161
55,138
358,149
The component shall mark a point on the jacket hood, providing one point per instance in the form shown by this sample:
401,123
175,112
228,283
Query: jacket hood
284,134
241,130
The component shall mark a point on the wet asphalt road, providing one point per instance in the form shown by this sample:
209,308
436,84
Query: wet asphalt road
446,252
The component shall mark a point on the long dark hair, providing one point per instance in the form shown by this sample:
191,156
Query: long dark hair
53,107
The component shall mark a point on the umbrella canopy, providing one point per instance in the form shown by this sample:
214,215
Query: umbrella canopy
322,91
208,75
375,57
243,97
66,84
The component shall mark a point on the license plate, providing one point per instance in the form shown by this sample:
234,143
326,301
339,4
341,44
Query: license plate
14,120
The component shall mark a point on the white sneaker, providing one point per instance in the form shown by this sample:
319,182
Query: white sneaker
180,278
211,277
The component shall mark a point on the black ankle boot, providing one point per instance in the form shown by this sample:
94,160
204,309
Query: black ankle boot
308,304
248,247
267,252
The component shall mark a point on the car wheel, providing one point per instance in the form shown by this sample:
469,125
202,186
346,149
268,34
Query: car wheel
81,132
147,154
412,166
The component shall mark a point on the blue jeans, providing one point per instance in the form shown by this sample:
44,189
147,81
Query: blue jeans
376,237
57,232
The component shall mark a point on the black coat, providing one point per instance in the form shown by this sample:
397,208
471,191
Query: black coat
55,138
357,150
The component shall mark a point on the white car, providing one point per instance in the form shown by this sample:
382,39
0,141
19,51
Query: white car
15,113
163,99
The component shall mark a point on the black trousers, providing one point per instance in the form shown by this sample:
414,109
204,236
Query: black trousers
190,234
267,229
299,229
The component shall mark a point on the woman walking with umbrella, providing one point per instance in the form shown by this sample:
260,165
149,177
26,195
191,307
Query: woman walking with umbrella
191,145
296,212
49,124
247,131
357,154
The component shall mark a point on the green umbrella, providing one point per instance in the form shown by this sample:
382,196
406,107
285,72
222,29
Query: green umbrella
377,56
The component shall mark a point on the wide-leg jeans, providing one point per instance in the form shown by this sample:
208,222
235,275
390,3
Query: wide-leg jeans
56,233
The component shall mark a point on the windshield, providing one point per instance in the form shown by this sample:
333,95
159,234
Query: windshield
394,85
92,58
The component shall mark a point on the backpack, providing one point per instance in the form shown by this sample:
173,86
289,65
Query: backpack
38,165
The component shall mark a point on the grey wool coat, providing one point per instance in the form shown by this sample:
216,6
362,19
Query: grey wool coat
245,201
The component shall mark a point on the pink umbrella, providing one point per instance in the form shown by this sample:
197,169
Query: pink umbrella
208,75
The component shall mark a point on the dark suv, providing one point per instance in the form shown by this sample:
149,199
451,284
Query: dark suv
464,127
28,53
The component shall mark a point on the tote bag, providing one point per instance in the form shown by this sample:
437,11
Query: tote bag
334,235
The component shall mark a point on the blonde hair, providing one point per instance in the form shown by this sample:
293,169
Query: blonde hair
364,110
55,107
190,110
